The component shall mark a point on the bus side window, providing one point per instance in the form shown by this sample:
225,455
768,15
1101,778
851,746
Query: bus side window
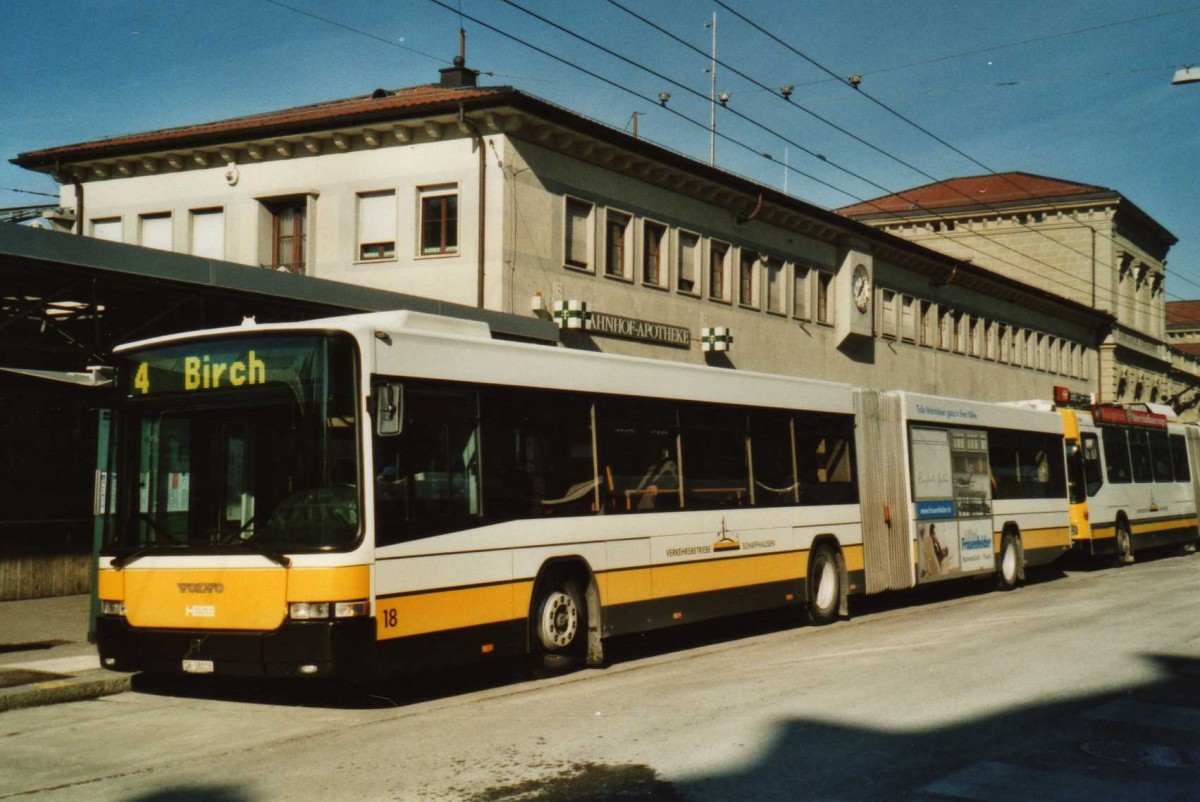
1116,456
1139,453
1179,458
1160,454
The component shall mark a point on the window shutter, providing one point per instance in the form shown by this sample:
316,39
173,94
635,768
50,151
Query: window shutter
377,219
208,234
108,229
156,232
578,217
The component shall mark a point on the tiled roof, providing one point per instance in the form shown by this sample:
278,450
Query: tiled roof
974,191
1187,348
1183,312
380,104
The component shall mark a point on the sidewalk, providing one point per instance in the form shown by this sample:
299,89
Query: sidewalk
45,656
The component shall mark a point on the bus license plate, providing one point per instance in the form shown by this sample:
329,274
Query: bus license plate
198,666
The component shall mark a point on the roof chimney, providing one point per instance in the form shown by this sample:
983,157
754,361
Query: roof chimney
459,75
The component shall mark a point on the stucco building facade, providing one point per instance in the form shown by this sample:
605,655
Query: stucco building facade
492,197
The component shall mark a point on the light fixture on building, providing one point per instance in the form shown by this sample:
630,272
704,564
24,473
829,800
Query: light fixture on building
572,314
1188,75
715,338
537,304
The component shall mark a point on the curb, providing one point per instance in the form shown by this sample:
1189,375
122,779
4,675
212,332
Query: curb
72,688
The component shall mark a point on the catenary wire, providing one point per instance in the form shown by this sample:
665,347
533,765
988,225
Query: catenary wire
920,128
1072,287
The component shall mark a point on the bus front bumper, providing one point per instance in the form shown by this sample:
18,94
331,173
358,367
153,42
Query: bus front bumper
342,648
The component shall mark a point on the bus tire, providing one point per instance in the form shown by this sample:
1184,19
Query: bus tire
560,624
1124,555
1008,566
824,587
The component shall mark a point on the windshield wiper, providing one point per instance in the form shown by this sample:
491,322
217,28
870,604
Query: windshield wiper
123,560
274,556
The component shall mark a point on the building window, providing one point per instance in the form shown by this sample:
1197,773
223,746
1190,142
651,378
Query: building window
689,262
908,318
1017,354
961,332
1053,351
824,310
439,220
288,232
945,337
156,232
654,264
925,323
887,314
974,336
376,225
616,244
1002,343
208,233
718,272
577,245
800,291
773,268
108,228
748,277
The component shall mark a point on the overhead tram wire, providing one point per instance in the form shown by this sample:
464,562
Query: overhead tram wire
358,31
1072,287
1007,45
854,136
926,131
739,143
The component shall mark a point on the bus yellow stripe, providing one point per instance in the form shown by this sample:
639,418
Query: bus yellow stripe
1160,526
709,575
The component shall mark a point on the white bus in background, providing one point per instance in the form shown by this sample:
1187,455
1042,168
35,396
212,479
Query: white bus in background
1133,479
394,491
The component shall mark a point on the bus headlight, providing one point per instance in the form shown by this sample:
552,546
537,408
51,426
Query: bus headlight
112,607
314,611
352,609
308,611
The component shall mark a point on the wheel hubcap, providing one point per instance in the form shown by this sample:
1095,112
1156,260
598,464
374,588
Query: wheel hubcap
559,621
1009,563
826,586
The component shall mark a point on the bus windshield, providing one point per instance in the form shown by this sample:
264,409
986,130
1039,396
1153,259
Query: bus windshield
238,444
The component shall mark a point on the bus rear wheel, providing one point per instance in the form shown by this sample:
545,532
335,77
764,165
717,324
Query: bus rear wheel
824,587
561,624
1008,568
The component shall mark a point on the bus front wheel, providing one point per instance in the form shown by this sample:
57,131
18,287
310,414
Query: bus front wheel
561,624
824,587
1124,546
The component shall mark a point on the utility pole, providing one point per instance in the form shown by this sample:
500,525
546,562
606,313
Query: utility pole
712,116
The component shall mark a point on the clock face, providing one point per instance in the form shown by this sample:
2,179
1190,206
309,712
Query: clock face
861,288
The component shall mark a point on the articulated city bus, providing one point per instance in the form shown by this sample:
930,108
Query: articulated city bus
394,491
1132,485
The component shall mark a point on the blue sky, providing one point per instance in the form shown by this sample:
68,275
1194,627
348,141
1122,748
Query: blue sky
1094,106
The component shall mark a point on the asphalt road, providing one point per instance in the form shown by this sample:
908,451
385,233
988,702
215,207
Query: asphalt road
1079,686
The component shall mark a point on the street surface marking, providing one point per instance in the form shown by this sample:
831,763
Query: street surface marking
1002,782
1166,717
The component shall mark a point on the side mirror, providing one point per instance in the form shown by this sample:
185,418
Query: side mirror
389,409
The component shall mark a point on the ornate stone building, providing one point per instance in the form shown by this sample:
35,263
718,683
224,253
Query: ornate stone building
1086,243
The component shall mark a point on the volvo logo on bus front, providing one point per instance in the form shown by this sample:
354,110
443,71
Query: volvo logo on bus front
201,587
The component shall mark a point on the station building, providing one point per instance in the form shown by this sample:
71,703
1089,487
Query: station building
491,197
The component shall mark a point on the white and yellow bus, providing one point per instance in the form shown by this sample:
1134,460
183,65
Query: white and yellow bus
1132,480
395,491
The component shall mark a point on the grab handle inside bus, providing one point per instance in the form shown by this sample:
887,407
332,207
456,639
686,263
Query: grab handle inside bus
389,409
